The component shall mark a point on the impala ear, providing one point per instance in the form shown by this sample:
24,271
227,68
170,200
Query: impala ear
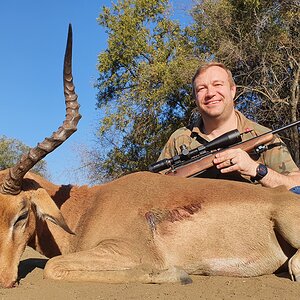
47,209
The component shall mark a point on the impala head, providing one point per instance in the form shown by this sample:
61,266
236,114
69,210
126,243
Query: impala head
19,208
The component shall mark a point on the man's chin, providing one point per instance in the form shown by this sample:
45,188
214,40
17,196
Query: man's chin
212,113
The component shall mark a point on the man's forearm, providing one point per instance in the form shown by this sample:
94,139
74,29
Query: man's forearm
273,179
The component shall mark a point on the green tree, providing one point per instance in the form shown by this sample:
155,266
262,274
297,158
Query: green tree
144,84
145,73
11,151
259,41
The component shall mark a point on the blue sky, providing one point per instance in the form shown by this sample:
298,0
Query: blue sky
33,38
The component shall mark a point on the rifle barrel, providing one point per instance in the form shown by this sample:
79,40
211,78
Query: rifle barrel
286,127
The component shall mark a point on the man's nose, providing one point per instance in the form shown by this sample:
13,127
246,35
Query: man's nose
211,91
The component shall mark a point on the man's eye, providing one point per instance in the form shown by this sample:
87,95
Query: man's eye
22,217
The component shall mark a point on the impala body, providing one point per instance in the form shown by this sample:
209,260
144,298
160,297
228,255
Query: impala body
143,227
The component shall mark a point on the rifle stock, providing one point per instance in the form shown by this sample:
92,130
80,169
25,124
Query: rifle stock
206,162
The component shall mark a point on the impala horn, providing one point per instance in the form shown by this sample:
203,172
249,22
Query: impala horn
13,182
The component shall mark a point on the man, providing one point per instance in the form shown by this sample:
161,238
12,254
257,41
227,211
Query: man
214,90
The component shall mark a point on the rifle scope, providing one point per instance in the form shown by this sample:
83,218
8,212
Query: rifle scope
225,140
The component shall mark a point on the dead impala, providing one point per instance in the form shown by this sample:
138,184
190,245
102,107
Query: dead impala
142,227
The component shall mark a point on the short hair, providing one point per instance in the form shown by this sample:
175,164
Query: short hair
205,66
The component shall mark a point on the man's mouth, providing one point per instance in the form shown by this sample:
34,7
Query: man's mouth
212,102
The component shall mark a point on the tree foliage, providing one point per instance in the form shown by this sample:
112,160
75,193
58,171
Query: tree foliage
259,41
145,73
144,84
11,151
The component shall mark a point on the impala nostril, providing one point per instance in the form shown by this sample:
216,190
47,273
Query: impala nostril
12,284
9,284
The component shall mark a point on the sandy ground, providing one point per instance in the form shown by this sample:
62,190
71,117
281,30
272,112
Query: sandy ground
33,286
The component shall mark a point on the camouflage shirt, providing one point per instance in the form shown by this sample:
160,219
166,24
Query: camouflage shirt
277,158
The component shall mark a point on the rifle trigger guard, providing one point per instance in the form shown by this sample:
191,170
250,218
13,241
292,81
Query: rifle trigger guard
171,170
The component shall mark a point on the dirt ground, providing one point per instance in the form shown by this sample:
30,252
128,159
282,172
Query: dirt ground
33,286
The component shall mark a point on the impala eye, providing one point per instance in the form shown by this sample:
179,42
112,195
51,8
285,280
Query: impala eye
22,217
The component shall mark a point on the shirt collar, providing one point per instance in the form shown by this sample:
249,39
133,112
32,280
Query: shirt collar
243,125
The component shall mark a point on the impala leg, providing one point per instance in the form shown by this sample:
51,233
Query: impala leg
109,267
287,223
294,266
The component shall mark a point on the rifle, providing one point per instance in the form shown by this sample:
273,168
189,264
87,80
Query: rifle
191,163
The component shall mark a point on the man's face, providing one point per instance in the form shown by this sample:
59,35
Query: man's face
214,95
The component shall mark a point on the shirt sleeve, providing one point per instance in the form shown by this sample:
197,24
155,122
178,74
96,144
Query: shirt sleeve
279,158
178,138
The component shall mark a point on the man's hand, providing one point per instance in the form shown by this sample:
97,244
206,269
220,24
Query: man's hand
235,160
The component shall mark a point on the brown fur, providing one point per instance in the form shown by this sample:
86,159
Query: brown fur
151,228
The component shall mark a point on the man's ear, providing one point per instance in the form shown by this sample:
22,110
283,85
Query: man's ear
233,91
47,209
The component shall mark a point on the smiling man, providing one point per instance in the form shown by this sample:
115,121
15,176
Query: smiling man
214,91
